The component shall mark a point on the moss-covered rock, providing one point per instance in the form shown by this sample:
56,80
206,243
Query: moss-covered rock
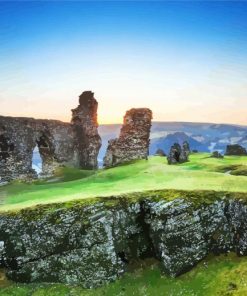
91,242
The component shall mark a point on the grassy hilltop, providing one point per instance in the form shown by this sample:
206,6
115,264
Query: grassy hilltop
214,276
200,173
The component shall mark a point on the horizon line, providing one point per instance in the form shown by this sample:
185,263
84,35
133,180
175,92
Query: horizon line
121,123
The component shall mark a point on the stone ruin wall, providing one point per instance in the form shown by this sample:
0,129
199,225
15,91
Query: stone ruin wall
73,144
85,128
133,141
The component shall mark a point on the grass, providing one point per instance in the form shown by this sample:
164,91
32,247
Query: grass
201,173
66,174
214,276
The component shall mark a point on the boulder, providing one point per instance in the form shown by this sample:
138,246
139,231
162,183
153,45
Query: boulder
179,154
235,149
217,154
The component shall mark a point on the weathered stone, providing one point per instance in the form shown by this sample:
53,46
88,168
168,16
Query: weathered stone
92,244
182,235
133,142
216,154
235,150
177,235
186,150
88,245
85,126
178,154
59,143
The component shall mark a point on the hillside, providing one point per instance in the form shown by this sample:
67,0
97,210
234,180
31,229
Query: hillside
139,225
201,173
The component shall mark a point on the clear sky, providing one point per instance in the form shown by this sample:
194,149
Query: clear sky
187,61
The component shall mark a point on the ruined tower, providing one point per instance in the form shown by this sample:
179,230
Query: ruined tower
85,126
133,141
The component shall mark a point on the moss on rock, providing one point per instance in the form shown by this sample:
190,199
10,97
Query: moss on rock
91,242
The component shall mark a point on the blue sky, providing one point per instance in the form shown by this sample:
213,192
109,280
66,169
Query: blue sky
187,61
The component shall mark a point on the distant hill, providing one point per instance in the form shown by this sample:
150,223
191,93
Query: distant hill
178,137
204,137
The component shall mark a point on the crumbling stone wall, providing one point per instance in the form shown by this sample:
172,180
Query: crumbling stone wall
133,142
59,143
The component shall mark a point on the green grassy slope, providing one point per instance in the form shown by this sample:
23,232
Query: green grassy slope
201,173
215,276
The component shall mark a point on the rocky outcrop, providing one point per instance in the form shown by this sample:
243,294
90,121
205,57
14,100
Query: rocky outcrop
182,235
85,126
216,154
87,245
133,141
179,154
92,243
235,150
59,143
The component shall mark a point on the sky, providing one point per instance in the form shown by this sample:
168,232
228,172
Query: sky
186,61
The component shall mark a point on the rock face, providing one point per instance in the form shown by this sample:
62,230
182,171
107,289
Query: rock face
183,235
133,142
235,150
88,245
92,244
179,154
85,126
59,143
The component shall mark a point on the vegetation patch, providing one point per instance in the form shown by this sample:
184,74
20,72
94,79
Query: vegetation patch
199,174
196,197
215,276
66,174
240,171
236,170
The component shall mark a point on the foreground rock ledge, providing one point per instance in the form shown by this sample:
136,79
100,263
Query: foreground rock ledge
91,242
